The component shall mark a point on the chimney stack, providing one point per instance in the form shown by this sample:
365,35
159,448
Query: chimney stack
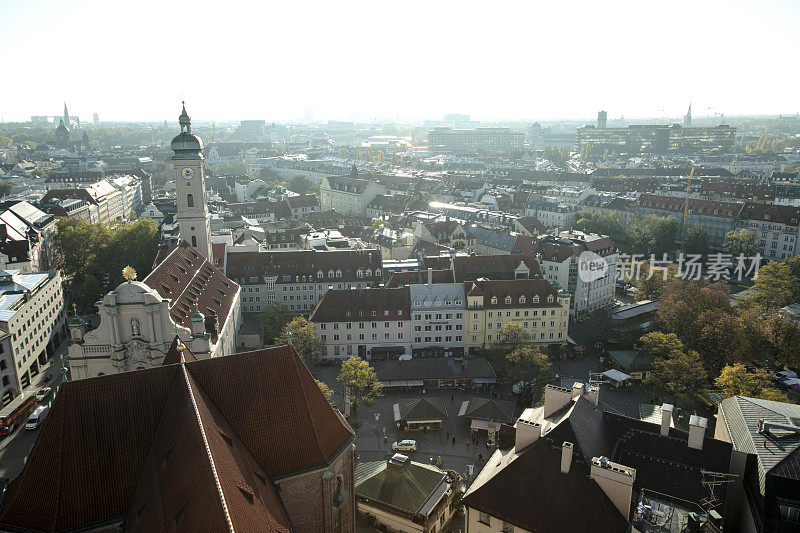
577,389
697,431
666,418
526,433
566,457
555,398
616,480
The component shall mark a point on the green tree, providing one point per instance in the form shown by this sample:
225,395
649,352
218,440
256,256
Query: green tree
775,286
697,240
682,303
742,242
599,325
301,184
652,281
76,245
361,381
737,380
271,320
783,335
526,364
680,374
5,142
511,337
722,339
300,334
658,344
652,234
325,390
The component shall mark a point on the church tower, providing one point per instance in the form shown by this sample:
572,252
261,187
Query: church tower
193,221
66,116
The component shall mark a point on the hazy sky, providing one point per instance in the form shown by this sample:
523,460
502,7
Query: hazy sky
285,60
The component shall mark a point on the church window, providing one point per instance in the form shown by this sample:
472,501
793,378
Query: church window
189,200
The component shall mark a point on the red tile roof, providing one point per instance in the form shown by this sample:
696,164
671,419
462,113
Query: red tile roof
193,283
195,445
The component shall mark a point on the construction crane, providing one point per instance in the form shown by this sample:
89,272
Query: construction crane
686,210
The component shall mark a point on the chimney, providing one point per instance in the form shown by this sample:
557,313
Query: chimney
593,394
697,431
526,433
566,457
666,418
430,275
616,480
577,389
555,398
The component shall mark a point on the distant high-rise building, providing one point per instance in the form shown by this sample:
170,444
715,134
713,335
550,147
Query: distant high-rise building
66,116
96,118
602,119
653,138
687,118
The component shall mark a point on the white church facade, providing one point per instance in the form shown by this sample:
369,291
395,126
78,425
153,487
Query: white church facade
185,296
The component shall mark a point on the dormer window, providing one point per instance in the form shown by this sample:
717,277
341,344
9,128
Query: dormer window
359,273
508,300
330,273
338,273
536,299
377,272
522,299
550,299
494,300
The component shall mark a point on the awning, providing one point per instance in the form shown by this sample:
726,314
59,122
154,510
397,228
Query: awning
483,424
463,409
480,381
616,375
396,408
414,383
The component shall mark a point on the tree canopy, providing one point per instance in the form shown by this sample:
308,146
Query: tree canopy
271,320
361,380
301,184
299,332
737,380
680,374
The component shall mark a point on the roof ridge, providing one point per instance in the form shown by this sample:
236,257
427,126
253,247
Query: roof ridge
199,419
295,361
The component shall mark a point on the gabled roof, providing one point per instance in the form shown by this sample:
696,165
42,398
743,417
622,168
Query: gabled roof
347,305
532,493
490,409
515,288
740,415
193,284
173,355
430,408
205,433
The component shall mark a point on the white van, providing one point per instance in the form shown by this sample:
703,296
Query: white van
37,417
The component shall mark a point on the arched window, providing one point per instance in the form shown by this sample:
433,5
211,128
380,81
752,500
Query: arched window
194,240
189,200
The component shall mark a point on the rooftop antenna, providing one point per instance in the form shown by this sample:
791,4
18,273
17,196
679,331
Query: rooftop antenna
711,480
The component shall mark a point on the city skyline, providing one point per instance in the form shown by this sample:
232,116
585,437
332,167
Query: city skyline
367,62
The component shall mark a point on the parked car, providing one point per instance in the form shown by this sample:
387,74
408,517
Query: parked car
405,446
37,418
43,394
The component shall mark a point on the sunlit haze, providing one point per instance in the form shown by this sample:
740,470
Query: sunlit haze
398,60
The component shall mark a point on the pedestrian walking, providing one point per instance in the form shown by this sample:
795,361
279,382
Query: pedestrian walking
454,440
468,445
448,434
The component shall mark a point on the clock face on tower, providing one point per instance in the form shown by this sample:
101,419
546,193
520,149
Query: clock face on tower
187,173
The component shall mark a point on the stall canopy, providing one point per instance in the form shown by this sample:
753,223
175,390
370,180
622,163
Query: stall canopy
616,375
483,424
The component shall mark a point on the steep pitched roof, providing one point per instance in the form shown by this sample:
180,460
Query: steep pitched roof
173,356
193,283
188,430
741,414
532,493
